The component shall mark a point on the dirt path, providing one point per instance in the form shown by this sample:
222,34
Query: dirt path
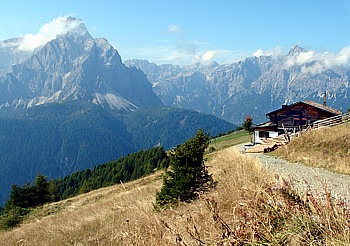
301,177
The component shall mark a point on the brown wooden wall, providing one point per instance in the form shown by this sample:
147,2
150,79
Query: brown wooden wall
299,114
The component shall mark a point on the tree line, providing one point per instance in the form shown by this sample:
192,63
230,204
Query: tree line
131,167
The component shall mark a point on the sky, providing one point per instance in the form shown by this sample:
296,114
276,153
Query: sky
191,31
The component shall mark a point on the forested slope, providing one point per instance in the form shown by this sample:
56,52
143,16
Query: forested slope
60,138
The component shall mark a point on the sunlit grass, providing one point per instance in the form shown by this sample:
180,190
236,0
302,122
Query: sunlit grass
234,138
327,148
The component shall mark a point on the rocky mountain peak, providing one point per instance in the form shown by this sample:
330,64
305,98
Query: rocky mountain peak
74,27
17,50
75,66
296,49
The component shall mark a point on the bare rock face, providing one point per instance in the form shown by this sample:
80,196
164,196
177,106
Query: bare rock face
253,86
73,66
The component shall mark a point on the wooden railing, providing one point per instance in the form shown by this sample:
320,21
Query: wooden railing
332,121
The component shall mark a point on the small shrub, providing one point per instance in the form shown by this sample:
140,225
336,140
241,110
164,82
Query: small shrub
211,149
12,217
189,175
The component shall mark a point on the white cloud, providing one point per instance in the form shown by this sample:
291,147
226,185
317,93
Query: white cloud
277,51
184,51
258,53
315,62
209,55
301,58
169,52
48,32
179,50
310,61
174,29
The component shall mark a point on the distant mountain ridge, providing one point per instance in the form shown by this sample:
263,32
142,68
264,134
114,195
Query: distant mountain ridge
74,66
253,86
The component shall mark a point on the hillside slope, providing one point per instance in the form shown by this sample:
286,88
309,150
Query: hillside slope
325,148
124,214
247,207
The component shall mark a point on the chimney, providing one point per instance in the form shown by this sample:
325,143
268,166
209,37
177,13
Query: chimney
325,99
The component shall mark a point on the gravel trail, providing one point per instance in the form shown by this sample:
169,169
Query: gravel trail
301,177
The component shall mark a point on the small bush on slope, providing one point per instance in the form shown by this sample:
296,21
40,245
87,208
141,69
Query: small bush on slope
188,175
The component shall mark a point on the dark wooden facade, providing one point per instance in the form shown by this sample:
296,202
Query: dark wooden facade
292,117
300,114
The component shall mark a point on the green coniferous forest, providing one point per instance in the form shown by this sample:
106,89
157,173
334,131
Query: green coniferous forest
128,168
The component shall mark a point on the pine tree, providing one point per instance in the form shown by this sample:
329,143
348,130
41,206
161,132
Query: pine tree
188,175
15,198
42,191
84,188
53,191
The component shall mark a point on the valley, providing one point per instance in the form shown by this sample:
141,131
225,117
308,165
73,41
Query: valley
59,139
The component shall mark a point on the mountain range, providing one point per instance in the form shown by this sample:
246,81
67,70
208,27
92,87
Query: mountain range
253,86
85,68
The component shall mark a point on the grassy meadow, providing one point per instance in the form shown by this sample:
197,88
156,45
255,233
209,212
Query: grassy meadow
246,208
229,140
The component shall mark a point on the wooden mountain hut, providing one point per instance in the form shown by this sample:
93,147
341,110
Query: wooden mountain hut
297,116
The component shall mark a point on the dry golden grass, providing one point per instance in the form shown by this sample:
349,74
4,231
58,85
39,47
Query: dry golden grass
114,216
246,207
328,148
96,218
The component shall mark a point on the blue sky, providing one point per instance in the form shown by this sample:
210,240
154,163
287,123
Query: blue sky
187,31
